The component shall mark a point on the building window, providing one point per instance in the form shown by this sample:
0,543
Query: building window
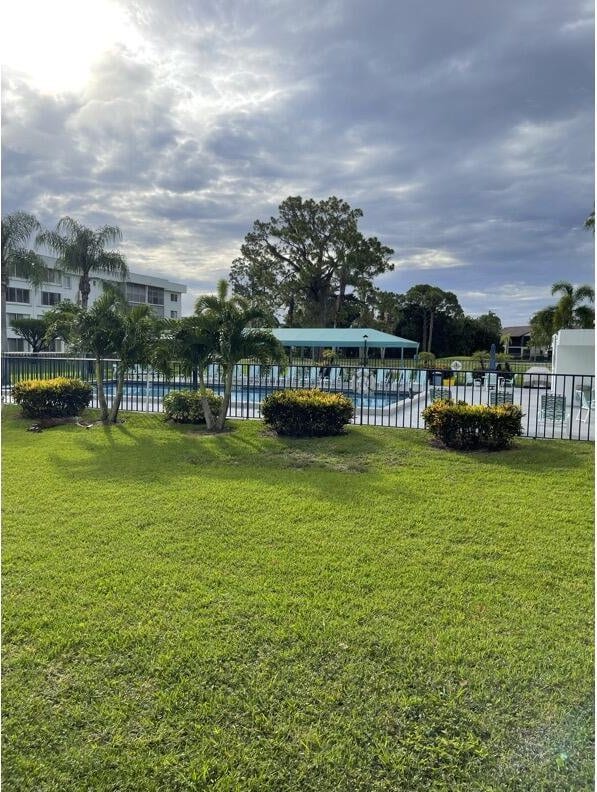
155,295
16,270
173,297
12,317
136,293
18,295
50,298
16,344
66,281
173,314
53,276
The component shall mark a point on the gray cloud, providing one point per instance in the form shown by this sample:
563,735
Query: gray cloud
464,131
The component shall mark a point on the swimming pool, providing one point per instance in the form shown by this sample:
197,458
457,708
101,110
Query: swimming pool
136,392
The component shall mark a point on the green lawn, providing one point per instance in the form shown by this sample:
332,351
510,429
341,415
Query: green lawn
242,612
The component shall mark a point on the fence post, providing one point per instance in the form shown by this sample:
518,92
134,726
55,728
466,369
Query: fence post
362,390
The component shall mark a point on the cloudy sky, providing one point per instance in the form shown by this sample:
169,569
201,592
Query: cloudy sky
464,130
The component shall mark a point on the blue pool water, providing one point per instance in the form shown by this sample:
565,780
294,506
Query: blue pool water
136,391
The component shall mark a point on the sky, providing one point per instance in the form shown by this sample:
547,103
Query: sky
463,130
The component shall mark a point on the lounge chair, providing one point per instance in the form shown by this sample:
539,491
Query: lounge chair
501,397
439,392
552,408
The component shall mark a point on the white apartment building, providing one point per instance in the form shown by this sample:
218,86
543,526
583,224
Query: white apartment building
26,301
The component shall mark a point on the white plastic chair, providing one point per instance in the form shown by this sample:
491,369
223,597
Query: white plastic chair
491,381
587,405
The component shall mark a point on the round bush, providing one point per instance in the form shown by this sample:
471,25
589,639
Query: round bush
185,406
307,413
470,426
52,398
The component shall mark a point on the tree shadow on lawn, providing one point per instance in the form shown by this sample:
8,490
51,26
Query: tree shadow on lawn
231,456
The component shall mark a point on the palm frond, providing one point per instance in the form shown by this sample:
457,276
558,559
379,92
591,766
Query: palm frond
562,286
584,316
108,235
111,262
585,292
17,230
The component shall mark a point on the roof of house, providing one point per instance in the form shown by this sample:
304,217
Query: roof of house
133,277
518,330
340,337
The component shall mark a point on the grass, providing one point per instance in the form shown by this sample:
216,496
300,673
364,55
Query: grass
242,612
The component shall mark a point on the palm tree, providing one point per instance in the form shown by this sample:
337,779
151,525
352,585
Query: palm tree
89,331
193,342
505,341
235,339
133,337
590,222
17,230
82,251
542,327
567,310
110,328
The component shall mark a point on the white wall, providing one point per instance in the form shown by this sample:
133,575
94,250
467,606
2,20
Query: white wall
573,353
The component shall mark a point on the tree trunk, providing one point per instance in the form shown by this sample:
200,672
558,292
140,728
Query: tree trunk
290,316
194,379
430,331
209,418
339,299
424,344
118,396
101,396
84,289
221,419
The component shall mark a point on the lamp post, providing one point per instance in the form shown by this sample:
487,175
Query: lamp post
365,337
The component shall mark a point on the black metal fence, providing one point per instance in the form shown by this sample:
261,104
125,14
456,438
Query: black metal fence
553,405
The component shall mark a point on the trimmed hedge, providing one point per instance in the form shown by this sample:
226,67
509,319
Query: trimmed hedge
52,398
470,426
307,413
185,406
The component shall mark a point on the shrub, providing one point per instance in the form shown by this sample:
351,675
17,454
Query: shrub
52,398
307,413
426,358
468,426
185,406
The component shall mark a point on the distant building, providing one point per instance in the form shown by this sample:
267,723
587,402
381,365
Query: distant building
519,343
25,301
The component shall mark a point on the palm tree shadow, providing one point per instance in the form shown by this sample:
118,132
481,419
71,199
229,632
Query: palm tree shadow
231,457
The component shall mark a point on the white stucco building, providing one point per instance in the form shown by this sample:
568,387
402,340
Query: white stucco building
573,354
26,301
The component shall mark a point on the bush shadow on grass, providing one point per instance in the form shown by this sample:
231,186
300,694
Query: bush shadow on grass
533,456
